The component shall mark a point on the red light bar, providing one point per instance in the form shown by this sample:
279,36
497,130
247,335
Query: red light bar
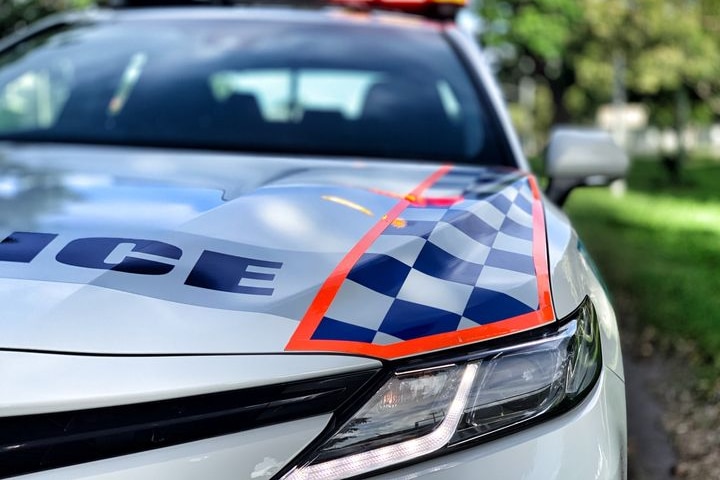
442,9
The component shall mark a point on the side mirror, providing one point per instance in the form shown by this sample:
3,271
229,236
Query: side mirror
579,157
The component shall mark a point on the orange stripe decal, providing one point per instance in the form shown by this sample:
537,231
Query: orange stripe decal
314,315
302,338
540,256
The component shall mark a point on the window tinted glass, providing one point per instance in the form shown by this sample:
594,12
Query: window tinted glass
324,88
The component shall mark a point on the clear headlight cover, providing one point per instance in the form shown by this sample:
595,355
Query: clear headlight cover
423,411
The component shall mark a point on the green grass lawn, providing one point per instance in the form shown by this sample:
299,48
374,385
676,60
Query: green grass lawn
658,247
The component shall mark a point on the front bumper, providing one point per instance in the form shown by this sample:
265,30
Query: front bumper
588,442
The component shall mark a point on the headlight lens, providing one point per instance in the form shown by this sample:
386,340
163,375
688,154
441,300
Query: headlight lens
423,411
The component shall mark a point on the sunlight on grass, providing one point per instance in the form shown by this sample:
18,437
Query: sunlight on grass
666,212
659,247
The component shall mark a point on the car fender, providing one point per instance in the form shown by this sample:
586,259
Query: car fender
574,276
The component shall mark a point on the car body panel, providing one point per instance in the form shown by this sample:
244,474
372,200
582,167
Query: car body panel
35,383
110,249
573,276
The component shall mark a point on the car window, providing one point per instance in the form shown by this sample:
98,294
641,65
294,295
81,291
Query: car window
34,99
249,86
283,95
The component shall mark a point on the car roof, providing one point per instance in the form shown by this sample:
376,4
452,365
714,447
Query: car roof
316,15
331,15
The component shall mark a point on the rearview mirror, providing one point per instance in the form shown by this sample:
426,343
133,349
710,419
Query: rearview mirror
581,157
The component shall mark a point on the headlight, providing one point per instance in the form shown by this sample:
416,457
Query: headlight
426,410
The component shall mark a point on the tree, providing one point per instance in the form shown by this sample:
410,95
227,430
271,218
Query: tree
664,52
15,14
673,63
542,36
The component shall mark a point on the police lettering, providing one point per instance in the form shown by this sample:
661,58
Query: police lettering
94,253
23,247
218,271
213,270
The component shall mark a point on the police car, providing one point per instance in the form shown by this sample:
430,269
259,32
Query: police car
281,242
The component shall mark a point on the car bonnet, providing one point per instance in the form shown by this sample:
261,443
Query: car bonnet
149,252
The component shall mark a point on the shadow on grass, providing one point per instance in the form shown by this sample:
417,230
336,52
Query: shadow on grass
699,179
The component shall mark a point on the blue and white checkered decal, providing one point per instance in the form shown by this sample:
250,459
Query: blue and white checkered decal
440,270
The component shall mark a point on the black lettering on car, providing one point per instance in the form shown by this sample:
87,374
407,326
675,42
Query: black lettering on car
23,247
213,270
218,271
94,252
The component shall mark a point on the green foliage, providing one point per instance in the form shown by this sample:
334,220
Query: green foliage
543,28
664,41
15,14
543,106
576,100
546,34
664,45
676,50
657,248
594,71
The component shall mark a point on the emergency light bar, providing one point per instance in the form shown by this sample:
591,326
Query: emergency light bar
227,3
438,9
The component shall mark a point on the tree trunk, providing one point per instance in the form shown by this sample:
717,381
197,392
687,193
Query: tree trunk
674,162
558,87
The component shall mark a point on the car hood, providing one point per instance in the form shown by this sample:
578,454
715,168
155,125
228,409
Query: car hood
123,251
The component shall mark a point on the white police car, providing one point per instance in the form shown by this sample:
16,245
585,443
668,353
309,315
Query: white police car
281,243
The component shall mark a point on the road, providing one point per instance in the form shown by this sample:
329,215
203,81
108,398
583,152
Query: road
650,452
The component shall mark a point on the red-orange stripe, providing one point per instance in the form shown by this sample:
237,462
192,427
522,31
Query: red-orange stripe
540,255
330,288
543,316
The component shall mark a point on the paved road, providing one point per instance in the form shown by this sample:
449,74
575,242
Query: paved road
650,452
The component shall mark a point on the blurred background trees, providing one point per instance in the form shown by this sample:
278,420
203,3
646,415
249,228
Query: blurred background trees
568,58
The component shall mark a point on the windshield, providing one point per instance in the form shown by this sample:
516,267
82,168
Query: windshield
256,86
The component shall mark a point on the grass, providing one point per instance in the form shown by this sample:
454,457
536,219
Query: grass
658,247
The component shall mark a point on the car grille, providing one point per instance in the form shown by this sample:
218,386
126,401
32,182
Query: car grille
33,443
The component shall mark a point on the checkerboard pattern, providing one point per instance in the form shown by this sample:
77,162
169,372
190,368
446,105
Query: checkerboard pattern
445,270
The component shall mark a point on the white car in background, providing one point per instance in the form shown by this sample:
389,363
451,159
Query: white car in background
245,242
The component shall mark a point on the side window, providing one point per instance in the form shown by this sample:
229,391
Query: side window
34,99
